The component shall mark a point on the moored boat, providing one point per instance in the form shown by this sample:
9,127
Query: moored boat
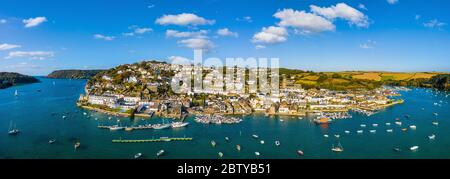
262,142
160,153
277,143
337,148
414,148
238,147
220,154
432,137
389,130
255,136
138,155
179,124
13,130
322,120
77,145
413,127
257,154
51,141
299,152
213,143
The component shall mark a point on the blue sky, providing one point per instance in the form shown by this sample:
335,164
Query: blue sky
37,37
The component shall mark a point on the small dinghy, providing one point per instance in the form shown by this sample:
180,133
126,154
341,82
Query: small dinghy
220,154
262,142
160,153
347,132
432,137
138,155
299,152
277,143
51,141
257,154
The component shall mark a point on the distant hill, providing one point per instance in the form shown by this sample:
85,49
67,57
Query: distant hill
8,79
364,79
74,74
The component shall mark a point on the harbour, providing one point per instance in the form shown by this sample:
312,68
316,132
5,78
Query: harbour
427,125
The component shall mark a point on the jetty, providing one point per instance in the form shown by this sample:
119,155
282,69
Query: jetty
162,139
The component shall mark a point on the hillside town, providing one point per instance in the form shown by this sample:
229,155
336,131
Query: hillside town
145,89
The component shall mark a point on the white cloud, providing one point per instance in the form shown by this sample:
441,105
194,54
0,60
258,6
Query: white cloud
103,37
271,35
151,6
303,21
32,22
362,6
35,55
197,43
342,10
142,30
368,45
392,1
8,46
226,32
137,30
257,47
434,24
3,21
179,34
245,19
183,19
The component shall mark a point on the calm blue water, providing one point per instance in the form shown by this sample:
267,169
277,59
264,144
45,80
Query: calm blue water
39,117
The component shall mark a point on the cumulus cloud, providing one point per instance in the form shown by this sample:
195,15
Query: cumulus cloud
271,35
303,21
180,34
197,43
434,24
32,22
392,1
35,55
183,19
6,46
342,10
103,37
226,32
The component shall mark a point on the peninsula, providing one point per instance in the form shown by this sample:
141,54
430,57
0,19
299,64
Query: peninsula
144,89
8,79
74,74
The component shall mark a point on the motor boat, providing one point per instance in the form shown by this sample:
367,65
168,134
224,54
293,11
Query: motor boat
138,155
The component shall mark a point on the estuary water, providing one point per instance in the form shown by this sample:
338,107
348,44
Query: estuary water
39,117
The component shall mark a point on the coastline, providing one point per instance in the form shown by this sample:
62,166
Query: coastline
297,114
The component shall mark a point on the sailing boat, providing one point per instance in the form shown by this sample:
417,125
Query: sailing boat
13,130
338,148
16,93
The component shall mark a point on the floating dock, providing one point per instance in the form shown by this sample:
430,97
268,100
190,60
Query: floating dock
153,140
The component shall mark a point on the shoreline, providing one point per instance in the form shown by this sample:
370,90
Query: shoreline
297,114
